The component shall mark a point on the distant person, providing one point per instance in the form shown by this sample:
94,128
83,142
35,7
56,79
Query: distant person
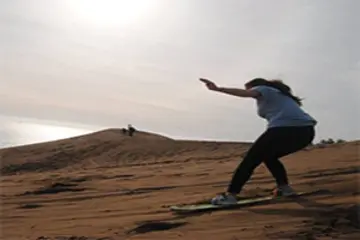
289,130
131,130
124,131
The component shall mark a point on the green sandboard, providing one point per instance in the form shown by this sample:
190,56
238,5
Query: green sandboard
193,208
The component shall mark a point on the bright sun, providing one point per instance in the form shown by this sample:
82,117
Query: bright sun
107,13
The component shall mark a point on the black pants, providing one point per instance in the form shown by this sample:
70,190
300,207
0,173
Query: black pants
273,144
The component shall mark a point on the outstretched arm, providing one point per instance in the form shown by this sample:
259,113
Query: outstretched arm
231,91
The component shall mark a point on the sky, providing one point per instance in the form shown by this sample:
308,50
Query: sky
110,63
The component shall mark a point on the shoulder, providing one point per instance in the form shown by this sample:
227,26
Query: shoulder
265,91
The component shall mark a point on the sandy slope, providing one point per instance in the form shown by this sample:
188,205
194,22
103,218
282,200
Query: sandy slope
109,186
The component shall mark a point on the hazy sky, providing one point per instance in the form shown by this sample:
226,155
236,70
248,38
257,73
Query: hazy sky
109,63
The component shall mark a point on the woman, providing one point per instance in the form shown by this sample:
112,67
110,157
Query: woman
289,130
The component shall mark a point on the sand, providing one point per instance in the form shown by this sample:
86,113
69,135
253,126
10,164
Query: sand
109,186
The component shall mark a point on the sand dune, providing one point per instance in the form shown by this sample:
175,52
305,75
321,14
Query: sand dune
106,185
109,148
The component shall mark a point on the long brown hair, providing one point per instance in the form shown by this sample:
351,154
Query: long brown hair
278,84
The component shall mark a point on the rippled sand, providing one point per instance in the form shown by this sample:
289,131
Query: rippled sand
109,186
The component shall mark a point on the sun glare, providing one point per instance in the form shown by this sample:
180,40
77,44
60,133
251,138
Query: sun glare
28,132
109,13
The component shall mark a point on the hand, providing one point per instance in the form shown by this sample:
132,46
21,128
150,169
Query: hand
209,84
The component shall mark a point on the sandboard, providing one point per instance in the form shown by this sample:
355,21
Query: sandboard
203,207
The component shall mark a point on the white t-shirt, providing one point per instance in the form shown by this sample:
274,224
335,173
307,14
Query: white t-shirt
280,110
